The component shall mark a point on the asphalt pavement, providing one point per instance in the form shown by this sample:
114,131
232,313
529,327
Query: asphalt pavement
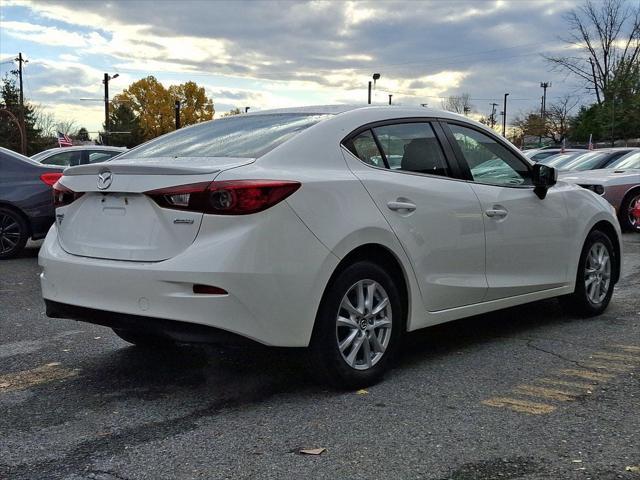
525,393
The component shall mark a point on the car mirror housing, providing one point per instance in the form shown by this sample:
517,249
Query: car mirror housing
543,177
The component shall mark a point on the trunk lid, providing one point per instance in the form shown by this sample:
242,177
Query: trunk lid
114,219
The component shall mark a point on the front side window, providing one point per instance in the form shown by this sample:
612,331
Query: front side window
412,147
489,161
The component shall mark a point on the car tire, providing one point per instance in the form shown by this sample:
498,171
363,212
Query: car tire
358,327
630,212
594,279
14,233
142,339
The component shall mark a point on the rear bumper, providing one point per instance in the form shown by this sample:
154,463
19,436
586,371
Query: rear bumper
274,273
178,331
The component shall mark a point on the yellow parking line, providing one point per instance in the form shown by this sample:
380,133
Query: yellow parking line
628,348
542,392
36,376
553,381
587,374
616,357
518,405
611,367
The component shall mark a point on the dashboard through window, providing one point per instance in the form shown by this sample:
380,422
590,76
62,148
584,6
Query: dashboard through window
489,161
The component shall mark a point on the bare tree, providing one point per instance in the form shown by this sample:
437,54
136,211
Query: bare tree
68,127
607,34
558,117
457,103
45,121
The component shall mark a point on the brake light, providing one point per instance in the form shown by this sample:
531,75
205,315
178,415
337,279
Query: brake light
63,195
50,178
232,197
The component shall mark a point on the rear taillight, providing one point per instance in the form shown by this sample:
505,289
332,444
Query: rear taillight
232,197
64,196
50,178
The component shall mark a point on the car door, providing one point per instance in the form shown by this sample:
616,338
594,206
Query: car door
436,218
527,241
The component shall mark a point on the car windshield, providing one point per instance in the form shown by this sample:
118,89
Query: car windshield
244,136
559,159
630,160
586,161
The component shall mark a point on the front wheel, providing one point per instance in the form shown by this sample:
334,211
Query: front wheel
630,212
358,327
594,280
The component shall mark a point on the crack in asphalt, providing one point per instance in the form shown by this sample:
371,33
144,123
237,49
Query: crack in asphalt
561,357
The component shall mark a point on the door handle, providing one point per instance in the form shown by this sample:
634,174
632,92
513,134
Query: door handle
496,212
397,205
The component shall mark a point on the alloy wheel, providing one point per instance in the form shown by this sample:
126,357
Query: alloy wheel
633,212
10,233
597,273
363,324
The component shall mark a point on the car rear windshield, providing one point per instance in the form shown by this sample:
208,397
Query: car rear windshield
244,136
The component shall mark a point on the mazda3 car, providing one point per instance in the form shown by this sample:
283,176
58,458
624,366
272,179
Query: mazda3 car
338,229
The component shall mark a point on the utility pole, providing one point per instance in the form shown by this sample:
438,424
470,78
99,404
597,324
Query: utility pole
543,108
369,97
504,116
390,98
492,117
23,145
177,106
105,80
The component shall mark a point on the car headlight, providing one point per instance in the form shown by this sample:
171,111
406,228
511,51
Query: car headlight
599,189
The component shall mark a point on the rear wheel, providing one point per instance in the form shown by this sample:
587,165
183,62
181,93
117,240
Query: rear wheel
630,212
14,233
594,280
358,327
140,339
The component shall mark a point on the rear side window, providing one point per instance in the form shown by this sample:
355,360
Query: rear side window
64,159
245,136
101,155
412,147
364,147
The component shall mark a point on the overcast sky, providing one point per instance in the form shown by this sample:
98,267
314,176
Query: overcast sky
267,54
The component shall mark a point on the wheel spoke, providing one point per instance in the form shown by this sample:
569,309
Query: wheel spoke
375,343
381,306
589,281
366,351
368,302
360,293
347,322
348,306
382,323
351,359
348,341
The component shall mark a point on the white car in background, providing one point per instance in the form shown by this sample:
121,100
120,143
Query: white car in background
619,184
77,155
293,228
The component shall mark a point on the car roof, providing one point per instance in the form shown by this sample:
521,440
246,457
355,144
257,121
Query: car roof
387,111
83,147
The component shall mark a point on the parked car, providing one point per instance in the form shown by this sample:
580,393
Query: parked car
26,201
538,154
596,159
619,184
291,228
77,155
558,160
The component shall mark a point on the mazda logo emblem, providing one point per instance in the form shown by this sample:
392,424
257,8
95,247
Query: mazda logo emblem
105,179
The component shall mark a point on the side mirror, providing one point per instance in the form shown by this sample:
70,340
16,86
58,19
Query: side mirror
543,177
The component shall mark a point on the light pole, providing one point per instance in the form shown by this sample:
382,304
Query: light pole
105,81
543,108
376,76
390,95
504,116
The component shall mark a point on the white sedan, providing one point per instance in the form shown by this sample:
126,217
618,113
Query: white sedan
333,228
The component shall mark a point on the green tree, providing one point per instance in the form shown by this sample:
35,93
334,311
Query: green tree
123,119
82,134
9,132
153,105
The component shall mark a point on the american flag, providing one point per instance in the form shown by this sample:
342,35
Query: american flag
64,140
